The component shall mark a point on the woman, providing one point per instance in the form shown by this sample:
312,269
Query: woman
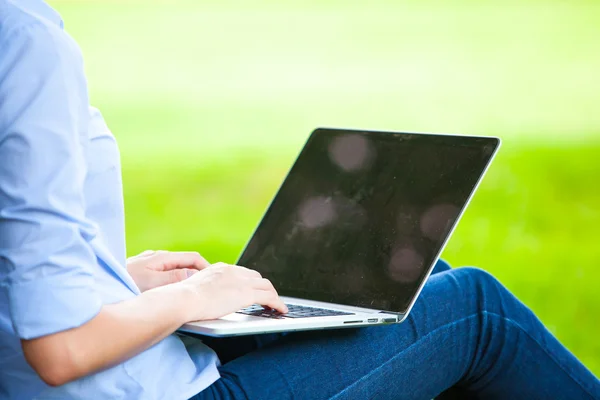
78,320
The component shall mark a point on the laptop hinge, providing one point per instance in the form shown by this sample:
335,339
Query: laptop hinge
390,312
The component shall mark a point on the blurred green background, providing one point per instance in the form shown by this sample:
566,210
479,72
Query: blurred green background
212,100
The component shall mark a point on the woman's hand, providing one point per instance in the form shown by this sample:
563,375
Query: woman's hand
152,269
222,289
122,330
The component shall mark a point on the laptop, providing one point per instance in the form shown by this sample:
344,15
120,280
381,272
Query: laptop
356,228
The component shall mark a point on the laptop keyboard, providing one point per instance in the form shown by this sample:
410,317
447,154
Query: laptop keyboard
295,311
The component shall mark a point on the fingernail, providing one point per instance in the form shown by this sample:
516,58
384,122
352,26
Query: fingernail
190,272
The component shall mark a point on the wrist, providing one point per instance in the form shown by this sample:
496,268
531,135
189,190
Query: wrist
190,298
179,299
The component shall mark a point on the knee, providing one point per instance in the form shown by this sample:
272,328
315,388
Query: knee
481,286
476,276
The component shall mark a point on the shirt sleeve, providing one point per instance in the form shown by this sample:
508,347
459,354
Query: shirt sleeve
46,261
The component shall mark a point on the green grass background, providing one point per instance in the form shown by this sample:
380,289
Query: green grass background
211,101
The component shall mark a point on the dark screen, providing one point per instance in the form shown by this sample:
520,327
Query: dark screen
362,216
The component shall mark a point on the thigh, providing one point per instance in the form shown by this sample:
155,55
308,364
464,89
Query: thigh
465,329
408,360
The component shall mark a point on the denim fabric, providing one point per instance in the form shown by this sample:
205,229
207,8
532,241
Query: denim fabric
466,337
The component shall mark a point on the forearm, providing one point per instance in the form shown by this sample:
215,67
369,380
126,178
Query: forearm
117,333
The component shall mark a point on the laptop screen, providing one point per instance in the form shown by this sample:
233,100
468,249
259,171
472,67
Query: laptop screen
362,216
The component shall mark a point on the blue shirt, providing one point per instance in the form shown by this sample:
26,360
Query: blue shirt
62,242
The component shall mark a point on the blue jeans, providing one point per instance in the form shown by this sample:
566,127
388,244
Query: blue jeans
466,337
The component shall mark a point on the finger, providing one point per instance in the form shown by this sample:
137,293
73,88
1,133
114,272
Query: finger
221,265
146,253
181,259
236,269
262,284
270,299
161,278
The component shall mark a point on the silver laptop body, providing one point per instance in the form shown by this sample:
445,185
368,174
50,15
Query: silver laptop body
356,228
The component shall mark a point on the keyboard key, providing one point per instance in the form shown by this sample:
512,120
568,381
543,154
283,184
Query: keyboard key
294,311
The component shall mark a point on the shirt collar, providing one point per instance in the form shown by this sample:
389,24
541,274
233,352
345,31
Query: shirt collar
42,10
